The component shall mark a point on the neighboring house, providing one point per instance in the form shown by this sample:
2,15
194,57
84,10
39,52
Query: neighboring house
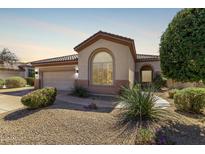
104,63
28,69
17,69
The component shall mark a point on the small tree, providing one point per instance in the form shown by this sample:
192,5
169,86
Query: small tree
7,56
182,47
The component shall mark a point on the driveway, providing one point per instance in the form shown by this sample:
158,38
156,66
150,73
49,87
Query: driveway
10,99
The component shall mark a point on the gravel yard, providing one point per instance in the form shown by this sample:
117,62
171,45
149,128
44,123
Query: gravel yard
71,123
59,125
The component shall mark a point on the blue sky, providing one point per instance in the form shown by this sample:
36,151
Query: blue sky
43,33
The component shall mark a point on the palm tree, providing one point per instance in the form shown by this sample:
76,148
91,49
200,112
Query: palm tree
7,56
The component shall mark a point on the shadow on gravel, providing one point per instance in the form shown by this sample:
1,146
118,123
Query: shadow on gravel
168,134
183,134
20,114
191,115
57,105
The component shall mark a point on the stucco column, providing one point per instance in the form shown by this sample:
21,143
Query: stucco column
37,84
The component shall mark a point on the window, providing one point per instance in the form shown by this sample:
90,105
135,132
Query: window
31,72
102,69
146,74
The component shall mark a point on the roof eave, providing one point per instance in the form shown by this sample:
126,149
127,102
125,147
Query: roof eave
55,63
101,35
147,60
11,69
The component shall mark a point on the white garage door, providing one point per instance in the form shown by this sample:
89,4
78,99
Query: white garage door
63,80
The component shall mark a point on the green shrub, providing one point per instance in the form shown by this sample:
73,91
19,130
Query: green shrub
2,82
190,100
15,82
139,105
145,136
146,86
30,81
79,91
40,98
172,92
159,82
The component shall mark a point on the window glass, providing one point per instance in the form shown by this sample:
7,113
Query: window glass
102,69
31,73
146,76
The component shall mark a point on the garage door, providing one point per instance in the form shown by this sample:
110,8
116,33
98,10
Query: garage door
63,80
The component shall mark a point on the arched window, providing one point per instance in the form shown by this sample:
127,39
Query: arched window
146,74
102,69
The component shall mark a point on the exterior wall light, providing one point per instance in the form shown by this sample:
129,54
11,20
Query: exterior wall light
76,72
36,73
76,69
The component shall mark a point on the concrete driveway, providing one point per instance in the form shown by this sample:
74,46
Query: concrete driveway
11,99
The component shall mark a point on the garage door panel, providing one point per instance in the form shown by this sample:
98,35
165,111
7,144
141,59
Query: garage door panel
62,80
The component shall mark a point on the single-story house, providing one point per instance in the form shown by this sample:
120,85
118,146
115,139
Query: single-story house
104,62
16,69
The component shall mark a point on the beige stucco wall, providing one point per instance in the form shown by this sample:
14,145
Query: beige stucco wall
131,64
5,74
124,63
154,64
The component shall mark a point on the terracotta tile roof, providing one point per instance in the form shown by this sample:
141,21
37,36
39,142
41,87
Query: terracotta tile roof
140,57
25,65
144,57
110,37
102,33
57,59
